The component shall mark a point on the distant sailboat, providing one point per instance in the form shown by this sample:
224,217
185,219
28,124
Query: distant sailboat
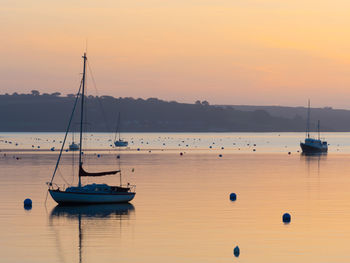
120,142
91,193
73,146
312,145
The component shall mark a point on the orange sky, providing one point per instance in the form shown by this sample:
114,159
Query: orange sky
269,52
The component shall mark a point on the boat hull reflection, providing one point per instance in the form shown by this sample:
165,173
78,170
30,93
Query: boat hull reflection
92,211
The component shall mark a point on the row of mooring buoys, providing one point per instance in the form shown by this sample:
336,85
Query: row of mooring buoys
286,218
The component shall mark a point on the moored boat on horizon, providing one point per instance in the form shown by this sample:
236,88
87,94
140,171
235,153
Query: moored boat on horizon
73,147
120,142
311,145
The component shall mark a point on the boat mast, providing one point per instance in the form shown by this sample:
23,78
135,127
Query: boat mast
119,125
81,118
318,129
308,121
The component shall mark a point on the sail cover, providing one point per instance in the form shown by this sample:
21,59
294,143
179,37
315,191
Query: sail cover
82,172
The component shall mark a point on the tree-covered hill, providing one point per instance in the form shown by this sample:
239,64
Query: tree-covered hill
50,112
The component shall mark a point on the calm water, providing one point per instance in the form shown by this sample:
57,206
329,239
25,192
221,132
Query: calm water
182,211
237,142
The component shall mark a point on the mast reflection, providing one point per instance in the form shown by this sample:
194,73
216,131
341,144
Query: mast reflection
116,212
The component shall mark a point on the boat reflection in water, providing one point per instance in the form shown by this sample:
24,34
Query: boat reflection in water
83,213
93,211
313,163
314,156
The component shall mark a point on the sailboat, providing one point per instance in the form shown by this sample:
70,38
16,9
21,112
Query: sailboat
120,142
73,146
312,145
90,193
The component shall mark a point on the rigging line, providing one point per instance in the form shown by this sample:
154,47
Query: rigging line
118,127
98,98
59,173
65,136
73,162
47,193
60,253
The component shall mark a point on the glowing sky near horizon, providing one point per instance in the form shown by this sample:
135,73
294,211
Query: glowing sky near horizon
269,52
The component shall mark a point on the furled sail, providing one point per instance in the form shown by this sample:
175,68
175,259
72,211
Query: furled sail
82,172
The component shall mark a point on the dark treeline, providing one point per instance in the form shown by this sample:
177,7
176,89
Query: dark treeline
50,112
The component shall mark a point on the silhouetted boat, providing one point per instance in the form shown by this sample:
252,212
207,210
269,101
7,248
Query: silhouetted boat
91,193
311,145
73,147
120,142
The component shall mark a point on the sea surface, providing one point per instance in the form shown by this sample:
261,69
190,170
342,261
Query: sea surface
181,211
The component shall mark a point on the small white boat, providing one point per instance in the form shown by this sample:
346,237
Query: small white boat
120,142
73,147
91,193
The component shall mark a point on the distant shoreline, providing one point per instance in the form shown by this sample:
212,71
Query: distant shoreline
50,113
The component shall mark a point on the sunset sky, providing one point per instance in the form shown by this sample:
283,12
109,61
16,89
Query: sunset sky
259,52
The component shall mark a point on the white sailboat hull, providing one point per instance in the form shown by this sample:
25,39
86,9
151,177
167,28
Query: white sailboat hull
62,197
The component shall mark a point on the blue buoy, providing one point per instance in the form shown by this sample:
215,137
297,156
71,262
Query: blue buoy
98,155
220,155
233,197
286,218
27,204
138,149
236,251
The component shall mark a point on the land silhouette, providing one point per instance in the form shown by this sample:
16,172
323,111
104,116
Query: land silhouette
37,112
